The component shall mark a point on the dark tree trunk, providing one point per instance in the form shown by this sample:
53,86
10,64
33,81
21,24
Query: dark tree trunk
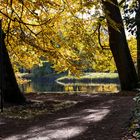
119,46
8,83
137,18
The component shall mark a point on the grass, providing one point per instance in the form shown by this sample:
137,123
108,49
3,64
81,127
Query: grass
91,78
92,75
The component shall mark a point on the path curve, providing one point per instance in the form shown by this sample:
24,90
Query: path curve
94,117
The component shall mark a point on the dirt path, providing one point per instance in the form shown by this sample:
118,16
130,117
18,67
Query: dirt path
94,117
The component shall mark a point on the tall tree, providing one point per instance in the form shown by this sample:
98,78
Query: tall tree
119,46
8,84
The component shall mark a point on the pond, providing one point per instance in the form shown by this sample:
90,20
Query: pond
44,86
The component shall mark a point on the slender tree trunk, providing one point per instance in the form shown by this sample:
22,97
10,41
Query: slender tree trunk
119,46
8,83
137,18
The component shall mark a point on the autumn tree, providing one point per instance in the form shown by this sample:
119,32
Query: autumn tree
119,45
117,42
8,84
69,34
32,30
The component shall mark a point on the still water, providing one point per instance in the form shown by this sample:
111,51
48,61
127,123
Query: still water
43,86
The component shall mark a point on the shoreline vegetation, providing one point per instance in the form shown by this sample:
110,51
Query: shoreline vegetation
85,78
90,78
88,82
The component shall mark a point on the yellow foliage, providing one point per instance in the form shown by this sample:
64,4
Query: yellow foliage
64,32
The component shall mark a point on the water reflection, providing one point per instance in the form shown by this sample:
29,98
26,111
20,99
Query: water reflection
93,88
41,86
38,86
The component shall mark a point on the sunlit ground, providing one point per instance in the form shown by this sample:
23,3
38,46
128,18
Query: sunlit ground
66,127
94,116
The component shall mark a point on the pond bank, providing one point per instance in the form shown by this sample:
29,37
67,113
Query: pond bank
89,82
91,78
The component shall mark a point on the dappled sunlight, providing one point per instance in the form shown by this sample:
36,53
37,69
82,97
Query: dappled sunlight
67,118
66,127
96,115
59,133
65,133
2,123
45,134
87,115
92,117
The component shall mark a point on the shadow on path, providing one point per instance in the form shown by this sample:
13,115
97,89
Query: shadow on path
95,117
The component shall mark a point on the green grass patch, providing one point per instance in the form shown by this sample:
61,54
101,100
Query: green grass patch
92,76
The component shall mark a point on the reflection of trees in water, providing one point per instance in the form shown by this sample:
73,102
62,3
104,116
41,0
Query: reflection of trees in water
95,88
107,88
41,86
26,87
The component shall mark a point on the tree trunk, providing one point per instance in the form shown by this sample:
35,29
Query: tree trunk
119,46
8,83
137,18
